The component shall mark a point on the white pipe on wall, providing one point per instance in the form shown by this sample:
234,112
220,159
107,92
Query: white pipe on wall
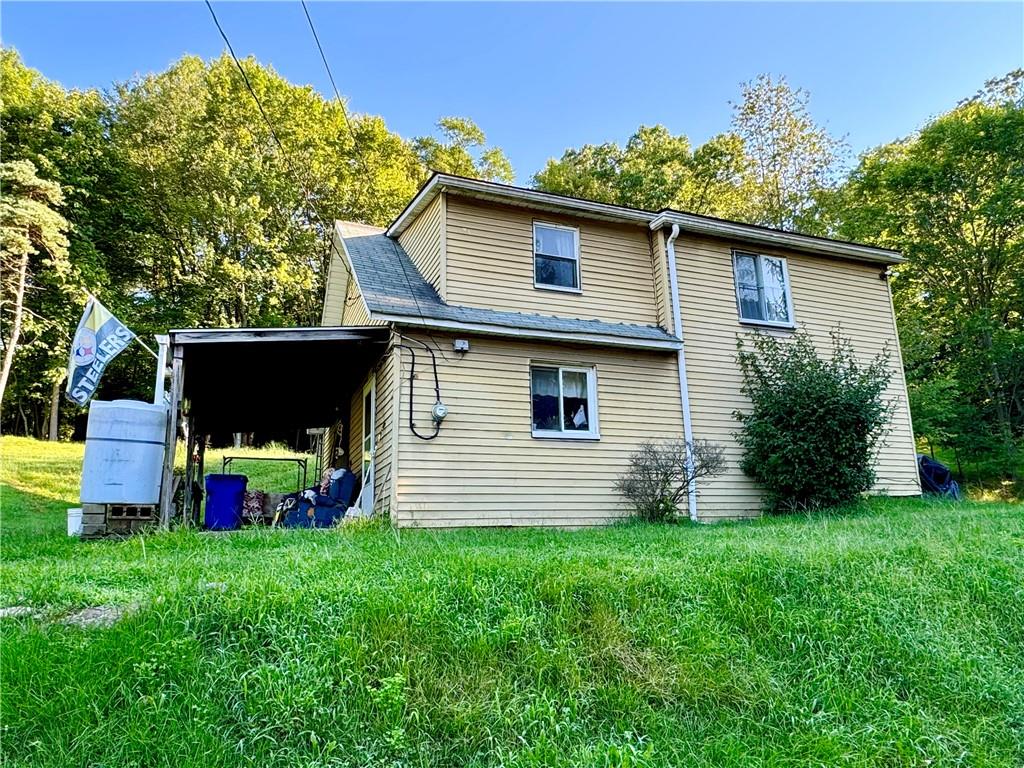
684,390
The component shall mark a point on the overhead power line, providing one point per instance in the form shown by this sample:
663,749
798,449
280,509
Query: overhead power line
311,206
356,149
284,152
248,85
337,93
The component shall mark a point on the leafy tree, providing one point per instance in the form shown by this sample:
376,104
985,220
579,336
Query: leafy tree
463,152
33,241
791,158
184,209
951,198
770,168
239,223
654,170
591,172
63,134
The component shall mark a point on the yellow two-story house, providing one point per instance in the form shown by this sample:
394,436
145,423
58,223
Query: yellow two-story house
535,340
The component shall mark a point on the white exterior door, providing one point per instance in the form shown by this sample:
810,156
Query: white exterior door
369,443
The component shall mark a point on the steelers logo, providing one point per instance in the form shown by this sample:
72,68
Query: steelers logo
85,347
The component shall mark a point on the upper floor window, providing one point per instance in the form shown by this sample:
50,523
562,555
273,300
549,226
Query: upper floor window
563,402
762,289
556,257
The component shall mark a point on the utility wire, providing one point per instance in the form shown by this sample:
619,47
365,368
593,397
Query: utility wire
284,152
337,94
369,177
277,140
248,85
359,156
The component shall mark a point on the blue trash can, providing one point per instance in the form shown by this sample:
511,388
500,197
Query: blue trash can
225,495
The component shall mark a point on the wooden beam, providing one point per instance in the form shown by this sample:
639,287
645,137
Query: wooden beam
171,442
197,501
224,336
190,446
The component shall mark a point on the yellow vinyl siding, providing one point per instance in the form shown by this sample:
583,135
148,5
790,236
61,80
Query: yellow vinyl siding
355,430
826,292
382,462
343,304
489,264
354,312
486,468
337,285
422,241
383,401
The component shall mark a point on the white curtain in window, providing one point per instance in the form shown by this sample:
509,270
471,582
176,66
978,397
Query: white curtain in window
747,287
545,382
555,242
746,271
574,384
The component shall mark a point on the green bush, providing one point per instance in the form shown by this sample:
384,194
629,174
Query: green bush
811,434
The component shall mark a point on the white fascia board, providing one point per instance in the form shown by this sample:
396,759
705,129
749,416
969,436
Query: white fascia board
484,329
248,335
751,234
514,195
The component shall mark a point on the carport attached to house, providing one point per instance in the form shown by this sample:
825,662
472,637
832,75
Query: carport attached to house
251,379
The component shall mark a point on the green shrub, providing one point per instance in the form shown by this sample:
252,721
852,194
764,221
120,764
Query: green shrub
811,434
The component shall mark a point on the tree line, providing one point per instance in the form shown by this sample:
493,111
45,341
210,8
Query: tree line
170,198
950,197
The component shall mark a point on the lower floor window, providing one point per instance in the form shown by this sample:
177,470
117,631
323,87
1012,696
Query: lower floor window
564,401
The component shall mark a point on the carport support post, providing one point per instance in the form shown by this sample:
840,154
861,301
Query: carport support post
167,483
190,470
200,476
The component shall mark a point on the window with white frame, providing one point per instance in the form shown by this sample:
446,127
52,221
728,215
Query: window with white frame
556,257
563,401
762,289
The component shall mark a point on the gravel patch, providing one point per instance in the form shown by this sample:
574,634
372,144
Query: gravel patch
97,616
15,611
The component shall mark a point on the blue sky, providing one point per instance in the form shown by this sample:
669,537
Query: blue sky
542,77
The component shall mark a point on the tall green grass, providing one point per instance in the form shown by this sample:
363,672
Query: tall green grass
891,635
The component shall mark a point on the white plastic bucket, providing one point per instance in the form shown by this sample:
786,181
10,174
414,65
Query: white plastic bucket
75,521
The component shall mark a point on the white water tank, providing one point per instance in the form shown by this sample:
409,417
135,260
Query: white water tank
124,452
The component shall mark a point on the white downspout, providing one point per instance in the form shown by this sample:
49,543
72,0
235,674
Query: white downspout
684,390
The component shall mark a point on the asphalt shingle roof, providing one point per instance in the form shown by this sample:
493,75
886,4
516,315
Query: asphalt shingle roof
391,284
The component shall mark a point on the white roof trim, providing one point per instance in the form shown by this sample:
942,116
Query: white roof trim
504,193
749,233
529,333
688,222
249,335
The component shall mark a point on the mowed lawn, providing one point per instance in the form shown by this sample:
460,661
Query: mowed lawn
891,635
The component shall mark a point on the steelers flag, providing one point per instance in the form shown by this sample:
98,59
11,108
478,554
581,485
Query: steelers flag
99,339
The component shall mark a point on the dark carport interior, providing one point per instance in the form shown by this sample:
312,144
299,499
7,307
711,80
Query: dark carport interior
260,379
